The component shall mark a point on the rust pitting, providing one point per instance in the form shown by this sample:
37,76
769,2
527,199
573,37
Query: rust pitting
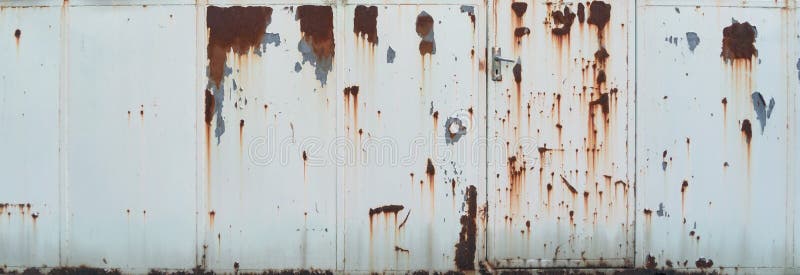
465,248
704,263
240,29
563,21
365,23
519,8
599,14
424,27
581,13
738,41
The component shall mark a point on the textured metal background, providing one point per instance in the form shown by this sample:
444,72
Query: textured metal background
148,136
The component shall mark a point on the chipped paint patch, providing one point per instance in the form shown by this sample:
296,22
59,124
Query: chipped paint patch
693,40
455,130
763,111
390,55
317,45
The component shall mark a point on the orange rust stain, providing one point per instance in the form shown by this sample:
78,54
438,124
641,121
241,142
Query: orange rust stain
563,21
684,187
233,28
747,131
349,92
316,24
430,170
424,27
365,23
211,215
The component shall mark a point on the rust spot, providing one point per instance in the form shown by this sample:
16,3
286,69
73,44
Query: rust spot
747,130
316,24
522,31
738,41
601,77
704,263
305,156
668,263
517,73
365,23
684,185
233,28
601,55
650,262
17,34
430,170
581,13
400,249
425,31
465,248
519,8
393,208
209,107
648,212
35,215
563,21
211,215
599,14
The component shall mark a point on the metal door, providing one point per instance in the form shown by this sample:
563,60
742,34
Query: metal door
717,83
560,189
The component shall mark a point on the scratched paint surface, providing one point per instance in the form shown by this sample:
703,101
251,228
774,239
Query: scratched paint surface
560,193
712,192
406,105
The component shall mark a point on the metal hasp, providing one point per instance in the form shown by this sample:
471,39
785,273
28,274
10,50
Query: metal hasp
497,74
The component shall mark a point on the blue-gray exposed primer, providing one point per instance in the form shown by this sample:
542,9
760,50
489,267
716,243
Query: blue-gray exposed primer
455,129
693,40
219,97
763,112
390,54
677,10
467,9
661,212
798,69
322,66
269,38
297,67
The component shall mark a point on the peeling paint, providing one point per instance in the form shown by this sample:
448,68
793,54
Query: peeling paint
763,111
425,31
455,129
692,40
317,45
390,55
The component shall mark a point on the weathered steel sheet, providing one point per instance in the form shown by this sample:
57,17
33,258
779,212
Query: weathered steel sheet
560,191
714,136
270,106
412,190
30,123
131,177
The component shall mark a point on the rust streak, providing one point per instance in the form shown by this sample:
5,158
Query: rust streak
465,248
233,28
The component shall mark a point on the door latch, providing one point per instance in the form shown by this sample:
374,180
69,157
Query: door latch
497,74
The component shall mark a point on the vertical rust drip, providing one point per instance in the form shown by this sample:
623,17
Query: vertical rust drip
316,24
233,28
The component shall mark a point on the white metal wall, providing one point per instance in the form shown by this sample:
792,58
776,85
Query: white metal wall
112,157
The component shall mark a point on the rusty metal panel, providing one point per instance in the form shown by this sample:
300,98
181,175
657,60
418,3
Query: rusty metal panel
270,115
130,137
561,195
29,116
714,139
413,191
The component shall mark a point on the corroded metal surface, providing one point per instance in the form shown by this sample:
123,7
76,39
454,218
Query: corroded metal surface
560,190
367,136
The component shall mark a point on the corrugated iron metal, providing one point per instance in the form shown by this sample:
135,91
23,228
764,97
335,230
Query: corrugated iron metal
325,136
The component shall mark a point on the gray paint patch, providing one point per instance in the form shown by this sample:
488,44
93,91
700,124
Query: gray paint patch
455,129
798,69
297,67
661,212
322,66
468,9
390,55
693,40
219,98
763,111
677,10
269,38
